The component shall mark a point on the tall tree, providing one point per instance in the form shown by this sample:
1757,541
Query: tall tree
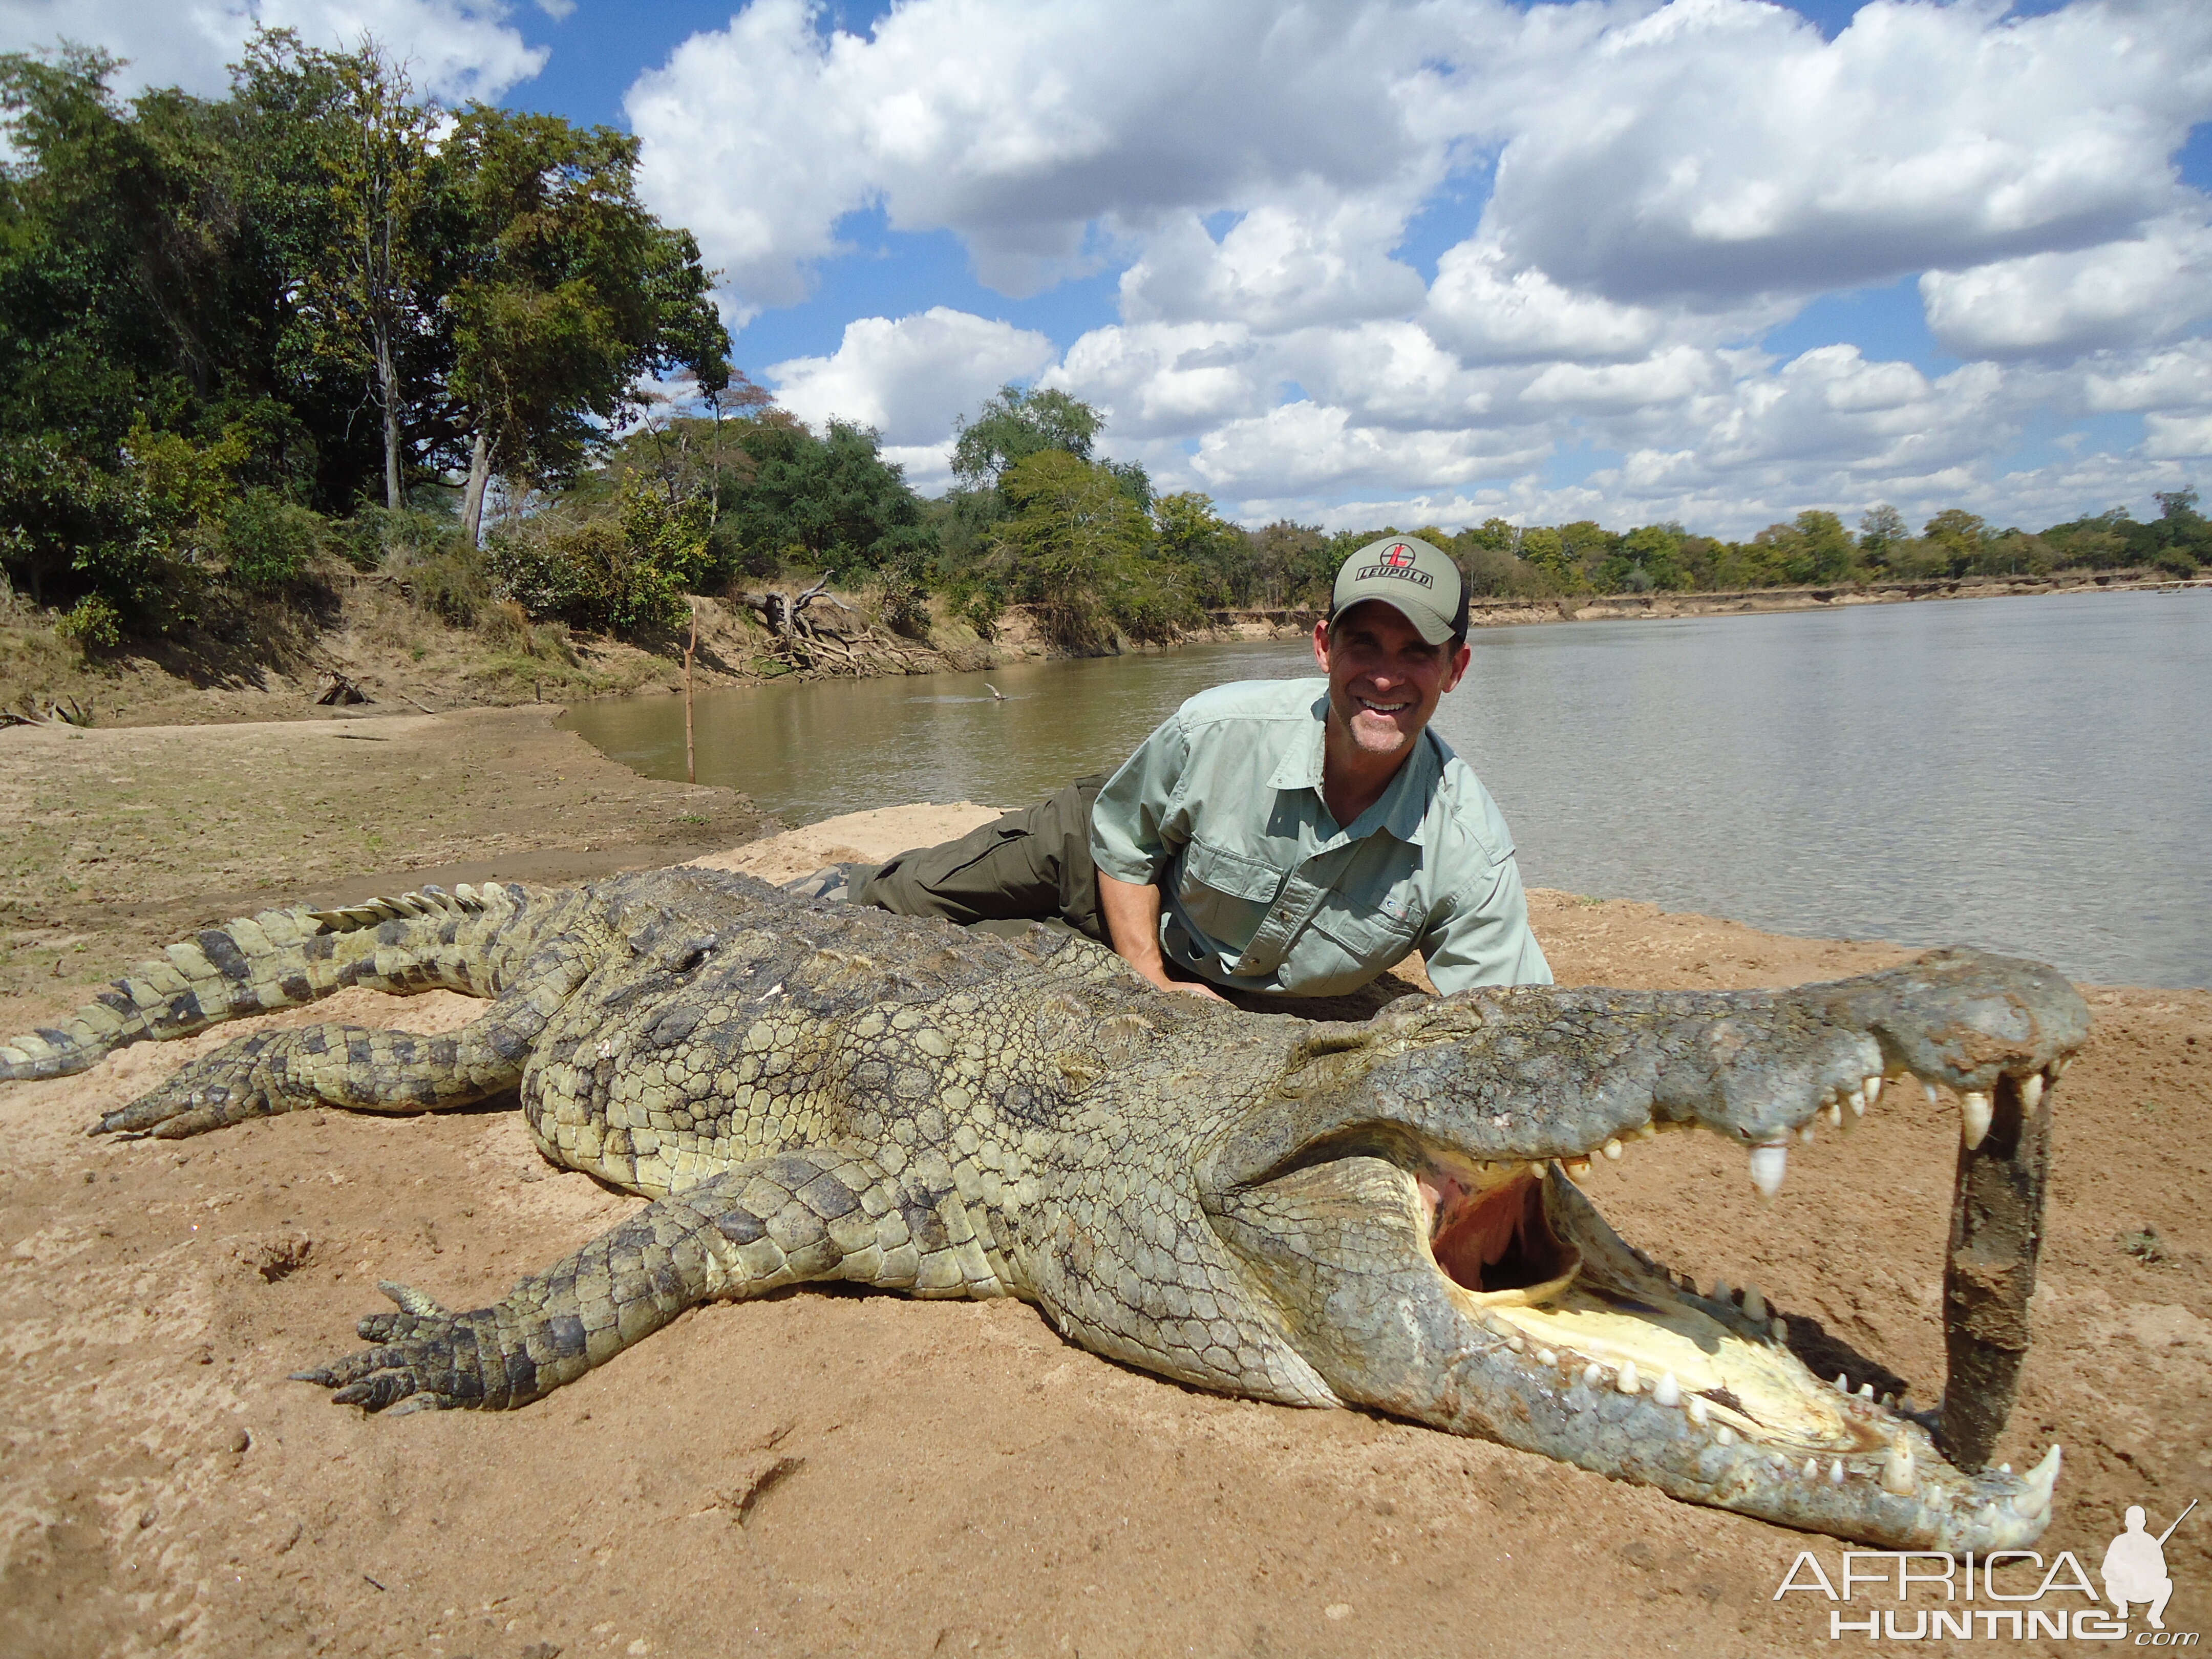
1022,421
570,294
369,285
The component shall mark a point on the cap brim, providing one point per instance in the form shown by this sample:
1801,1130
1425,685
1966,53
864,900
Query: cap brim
1432,627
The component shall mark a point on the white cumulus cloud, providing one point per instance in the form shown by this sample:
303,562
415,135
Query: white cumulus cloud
911,378
455,49
2122,292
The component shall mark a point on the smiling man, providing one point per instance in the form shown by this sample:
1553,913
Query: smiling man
1277,837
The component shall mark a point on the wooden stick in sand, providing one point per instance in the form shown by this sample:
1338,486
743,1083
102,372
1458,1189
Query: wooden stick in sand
690,762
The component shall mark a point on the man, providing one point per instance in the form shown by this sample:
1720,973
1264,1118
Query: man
2134,1569
1276,837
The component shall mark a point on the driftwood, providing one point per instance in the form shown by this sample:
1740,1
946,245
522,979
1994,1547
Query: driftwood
806,642
784,613
66,713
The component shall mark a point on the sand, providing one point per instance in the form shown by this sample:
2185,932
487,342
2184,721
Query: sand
826,1472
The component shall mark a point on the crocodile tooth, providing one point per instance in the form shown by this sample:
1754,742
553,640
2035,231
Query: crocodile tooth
1812,1468
1866,1390
1613,1149
1593,1374
1889,1402
1720,1291
1897,1471
2031,1091
2040,1480
1975,1111
1872,1085
1545,1357
1836,1472
1779,1329
1628,1381
2057,1067
1574,1168
1855,1098
1833,1111
1805,1135
1754,1305
1700,1413
1646,1132
1927,1089
1842,1383
1517,1344
1724,1435
1768,1163
1667,1391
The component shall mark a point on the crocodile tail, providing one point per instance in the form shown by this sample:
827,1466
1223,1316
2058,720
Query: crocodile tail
421,941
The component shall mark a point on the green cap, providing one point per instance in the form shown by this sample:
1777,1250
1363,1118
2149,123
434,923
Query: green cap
1410,576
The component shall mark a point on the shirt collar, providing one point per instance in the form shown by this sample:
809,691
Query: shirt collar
1404,807
1300,766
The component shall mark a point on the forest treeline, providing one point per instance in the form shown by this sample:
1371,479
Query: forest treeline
246,341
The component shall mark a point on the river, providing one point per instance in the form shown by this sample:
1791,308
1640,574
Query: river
2029,774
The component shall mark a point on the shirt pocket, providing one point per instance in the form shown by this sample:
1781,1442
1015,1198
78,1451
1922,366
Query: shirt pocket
1225,895
1373,939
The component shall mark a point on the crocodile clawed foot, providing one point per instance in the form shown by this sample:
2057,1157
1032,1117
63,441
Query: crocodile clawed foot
240,1080
425,1360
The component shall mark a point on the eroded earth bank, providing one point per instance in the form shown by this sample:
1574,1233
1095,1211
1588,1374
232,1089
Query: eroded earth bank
830,1474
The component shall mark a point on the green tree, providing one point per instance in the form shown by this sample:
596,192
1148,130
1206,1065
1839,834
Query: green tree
1960,534
370,286
1074,549
831,503
1218,553
569,292
1553,557
1881,528
1020,422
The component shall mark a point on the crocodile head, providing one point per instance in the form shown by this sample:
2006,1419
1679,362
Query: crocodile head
1404,1201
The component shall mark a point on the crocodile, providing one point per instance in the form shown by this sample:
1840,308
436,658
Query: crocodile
1382,1214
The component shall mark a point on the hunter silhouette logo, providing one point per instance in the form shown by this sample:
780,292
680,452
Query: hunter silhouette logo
2134,1568
1397,561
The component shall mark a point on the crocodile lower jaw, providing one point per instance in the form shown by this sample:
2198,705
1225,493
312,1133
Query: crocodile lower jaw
1703,1391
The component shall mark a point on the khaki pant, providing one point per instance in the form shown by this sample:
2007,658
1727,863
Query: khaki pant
1030,865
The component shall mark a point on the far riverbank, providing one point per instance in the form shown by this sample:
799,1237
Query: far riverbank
1493,612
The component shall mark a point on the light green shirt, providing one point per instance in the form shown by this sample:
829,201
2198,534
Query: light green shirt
1262,890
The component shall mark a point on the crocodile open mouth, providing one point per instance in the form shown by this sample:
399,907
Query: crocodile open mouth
1710,1381
1533,1260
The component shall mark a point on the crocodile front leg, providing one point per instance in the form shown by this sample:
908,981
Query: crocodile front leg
793,1219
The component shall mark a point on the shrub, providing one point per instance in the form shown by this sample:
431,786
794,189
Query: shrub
269,541
93,623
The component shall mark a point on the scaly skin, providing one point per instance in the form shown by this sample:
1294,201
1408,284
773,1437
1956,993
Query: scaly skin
1247,1203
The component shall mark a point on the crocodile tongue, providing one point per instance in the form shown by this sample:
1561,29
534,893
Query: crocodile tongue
1996,1229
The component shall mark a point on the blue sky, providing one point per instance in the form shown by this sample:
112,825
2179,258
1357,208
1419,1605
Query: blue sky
1708,260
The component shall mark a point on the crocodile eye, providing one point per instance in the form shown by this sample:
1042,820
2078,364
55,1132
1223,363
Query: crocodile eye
683,958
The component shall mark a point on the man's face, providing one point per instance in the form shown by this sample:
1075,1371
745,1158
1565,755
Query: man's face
1385,679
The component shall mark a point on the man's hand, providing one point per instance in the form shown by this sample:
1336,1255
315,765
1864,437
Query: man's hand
1132,909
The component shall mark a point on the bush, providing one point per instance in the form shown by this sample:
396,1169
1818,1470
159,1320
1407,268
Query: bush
93,623
268,541
611,573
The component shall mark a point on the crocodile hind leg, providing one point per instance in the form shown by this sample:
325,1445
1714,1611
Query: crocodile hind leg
355,1067
360,1067
791,1219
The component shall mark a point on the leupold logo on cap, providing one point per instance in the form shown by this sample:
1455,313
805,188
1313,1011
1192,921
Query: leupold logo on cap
1398,561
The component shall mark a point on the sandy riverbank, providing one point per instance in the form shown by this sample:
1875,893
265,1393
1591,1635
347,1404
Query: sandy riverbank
832,1473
